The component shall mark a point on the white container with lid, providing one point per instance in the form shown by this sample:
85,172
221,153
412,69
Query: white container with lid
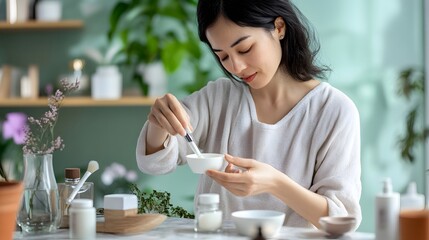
208,216
411,199
82,219
106,83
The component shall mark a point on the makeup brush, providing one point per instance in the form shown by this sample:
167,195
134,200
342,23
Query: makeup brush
92,167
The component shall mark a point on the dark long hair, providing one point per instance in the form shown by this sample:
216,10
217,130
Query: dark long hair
299,46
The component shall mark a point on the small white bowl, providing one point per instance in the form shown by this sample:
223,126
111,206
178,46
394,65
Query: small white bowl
247,222
337,226
209,161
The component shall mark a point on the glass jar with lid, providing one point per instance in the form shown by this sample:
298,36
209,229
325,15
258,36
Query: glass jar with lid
72,178
208,216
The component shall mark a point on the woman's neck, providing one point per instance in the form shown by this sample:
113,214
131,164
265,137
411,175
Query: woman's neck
279,97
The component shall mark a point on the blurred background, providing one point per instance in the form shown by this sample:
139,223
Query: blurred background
369,44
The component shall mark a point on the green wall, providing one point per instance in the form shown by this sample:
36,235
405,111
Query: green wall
105,134
366,43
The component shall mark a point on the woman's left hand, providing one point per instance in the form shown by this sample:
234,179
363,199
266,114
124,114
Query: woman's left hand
257,178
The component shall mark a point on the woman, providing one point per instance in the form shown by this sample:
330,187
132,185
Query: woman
297,138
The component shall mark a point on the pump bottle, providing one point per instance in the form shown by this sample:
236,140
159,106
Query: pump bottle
387,206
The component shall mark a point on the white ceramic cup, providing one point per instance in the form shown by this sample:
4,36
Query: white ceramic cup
49,10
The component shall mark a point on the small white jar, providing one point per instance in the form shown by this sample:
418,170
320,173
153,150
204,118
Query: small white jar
82,219
49,10
106,83
208,216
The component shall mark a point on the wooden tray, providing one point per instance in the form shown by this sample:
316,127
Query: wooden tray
129,224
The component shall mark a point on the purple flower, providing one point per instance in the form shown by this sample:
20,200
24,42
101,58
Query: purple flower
117,171
14,127
131,176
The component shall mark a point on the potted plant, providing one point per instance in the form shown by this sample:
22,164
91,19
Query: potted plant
11,186
153,31
10,196
106,82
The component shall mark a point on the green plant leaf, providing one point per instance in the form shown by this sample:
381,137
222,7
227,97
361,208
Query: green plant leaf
116,14
152,47
174,10
172,55
193,45
144,87
137,53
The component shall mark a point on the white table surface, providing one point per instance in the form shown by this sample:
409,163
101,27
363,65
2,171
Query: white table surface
178,228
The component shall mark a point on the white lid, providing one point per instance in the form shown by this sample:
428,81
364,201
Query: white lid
208,198
120,201
81,203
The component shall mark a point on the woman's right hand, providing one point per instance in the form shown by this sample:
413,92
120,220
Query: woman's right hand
168,114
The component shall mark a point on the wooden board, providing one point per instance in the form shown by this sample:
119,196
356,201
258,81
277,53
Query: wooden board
131,224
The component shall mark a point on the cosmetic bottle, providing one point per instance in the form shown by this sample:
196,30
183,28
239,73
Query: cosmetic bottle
387,206
208,216
411,199
83,223
72,178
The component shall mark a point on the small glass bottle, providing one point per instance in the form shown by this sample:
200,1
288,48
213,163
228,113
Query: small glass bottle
208,216
72,178
83,223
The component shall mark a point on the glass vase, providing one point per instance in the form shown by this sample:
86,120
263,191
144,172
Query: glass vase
39,212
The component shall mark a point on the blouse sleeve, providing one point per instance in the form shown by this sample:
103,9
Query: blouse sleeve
338,169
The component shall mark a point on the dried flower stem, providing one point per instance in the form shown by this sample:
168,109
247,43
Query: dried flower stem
39,136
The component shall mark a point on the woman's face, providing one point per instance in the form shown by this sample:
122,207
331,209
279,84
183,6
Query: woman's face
252,54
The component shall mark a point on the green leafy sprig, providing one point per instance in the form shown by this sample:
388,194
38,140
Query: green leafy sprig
158,202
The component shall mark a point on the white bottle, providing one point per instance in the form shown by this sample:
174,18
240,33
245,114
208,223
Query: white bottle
411,199
387,206
82,221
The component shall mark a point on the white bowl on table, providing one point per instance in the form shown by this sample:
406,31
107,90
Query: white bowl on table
209,161
247,222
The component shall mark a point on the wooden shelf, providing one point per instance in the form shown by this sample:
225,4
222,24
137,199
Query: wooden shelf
66,24
71,101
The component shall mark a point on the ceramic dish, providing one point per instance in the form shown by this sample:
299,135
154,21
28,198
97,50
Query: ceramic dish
209,161
247,222
337,226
